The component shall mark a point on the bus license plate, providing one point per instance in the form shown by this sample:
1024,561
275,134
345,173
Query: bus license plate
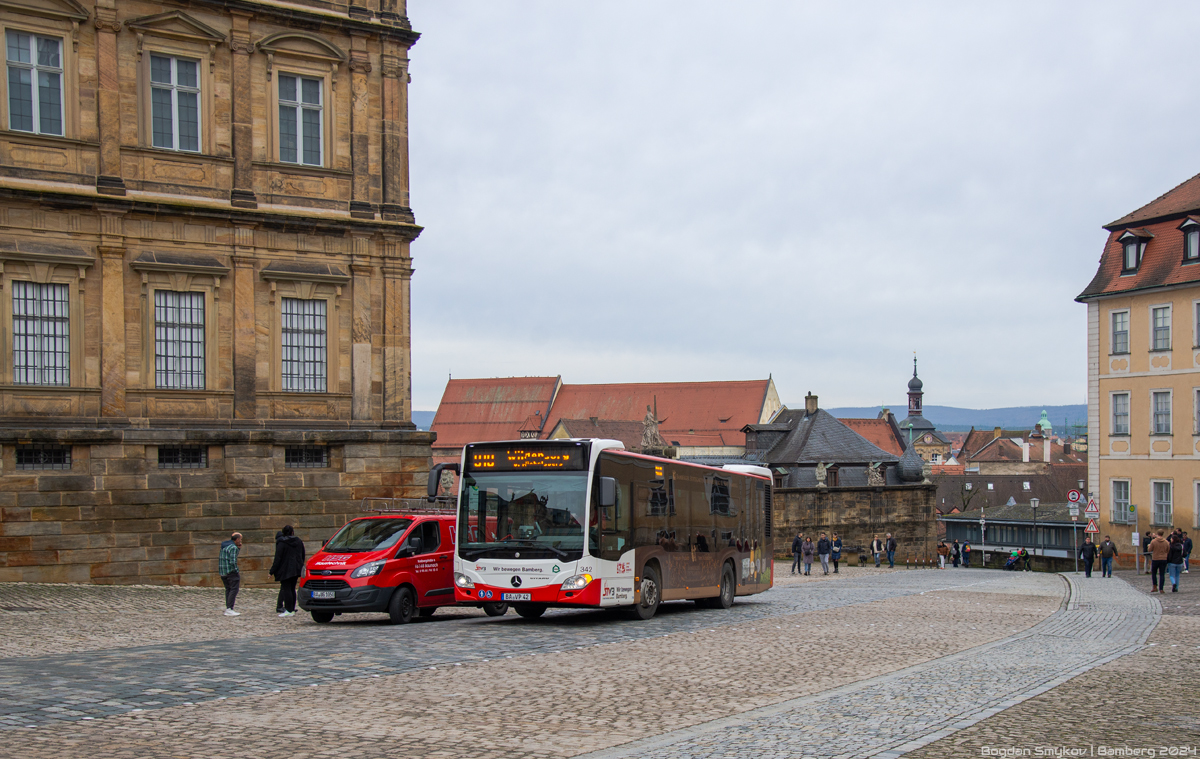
515,596
322,594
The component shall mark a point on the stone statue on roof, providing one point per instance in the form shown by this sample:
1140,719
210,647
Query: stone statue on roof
875,474
650,437
822,473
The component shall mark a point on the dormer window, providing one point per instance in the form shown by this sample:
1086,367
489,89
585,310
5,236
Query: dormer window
1133,247
1191,240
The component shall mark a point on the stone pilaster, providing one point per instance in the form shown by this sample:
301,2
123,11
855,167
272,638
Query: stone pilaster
112,323
394,85
108,179
397,374
360,139
361,353
245,340
242,195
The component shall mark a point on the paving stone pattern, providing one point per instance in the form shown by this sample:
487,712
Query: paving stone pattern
903,711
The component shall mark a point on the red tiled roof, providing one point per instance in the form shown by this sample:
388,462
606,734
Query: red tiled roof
1162,261
490,409
879,432
628,432
713,412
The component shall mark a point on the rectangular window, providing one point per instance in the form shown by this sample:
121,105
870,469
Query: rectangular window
304,345
1120,332
39,456
1162,504
35,77
1162,328
41,334
178,340
182,457
1131,255
1120,501
1024,486
1196,413
1120,414
300,120
1162,413
1197,306
175,103
306,456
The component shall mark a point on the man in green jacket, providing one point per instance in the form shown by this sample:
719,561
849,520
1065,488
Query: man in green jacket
227,567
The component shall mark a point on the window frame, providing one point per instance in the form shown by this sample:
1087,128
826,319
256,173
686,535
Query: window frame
175,88
1154,412
65,466
1120,516
153,339
1131,243
1113,429
1154,503
63,27
176,47
1191,240
328,344
1113,332
301,72
1155,310
65,319
35,68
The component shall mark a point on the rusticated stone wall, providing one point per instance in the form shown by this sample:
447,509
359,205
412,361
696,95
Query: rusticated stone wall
115,517
857,514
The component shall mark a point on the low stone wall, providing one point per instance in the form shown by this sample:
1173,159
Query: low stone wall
858,514
115,517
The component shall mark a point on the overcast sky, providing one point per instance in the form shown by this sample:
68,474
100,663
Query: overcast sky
694,190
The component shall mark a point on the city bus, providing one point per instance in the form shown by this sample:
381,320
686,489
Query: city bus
585,523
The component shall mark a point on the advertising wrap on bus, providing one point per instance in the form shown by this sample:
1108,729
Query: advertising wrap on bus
585,523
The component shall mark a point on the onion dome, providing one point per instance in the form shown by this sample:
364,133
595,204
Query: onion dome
915,384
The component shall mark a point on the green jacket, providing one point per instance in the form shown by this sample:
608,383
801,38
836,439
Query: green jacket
227,561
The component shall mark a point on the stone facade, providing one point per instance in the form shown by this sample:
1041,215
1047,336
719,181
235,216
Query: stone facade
858,514
179,170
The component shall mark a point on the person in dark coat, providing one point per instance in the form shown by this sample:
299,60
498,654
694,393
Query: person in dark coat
286,569
796,552
1087,554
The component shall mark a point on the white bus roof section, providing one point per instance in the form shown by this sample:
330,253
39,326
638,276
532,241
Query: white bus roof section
761,471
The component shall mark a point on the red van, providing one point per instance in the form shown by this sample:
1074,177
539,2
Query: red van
400,562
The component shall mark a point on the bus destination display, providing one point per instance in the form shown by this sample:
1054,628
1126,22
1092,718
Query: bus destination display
521,458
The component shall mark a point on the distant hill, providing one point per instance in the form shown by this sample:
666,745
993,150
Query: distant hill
952,419
423,419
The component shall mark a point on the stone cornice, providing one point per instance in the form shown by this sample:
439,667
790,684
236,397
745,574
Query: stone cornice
287,14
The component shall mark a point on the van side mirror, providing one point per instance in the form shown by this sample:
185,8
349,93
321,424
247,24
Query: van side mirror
324,542
608,492
435,478
414,543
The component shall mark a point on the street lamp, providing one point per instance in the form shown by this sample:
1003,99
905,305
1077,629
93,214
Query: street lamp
1033,504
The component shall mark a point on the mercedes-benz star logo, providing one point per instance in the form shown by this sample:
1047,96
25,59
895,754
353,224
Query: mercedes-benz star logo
516,581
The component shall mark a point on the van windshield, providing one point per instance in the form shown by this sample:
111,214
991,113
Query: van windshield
367,535
508,515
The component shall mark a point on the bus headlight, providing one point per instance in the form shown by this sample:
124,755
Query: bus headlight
462,581
368,570
576,582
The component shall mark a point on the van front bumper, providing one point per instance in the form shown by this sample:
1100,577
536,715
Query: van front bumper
367,598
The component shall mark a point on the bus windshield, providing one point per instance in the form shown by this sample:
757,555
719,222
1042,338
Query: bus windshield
522,515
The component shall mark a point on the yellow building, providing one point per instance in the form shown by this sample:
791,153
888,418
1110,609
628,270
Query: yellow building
1144,369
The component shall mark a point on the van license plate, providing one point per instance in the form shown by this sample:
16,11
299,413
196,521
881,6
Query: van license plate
514,596
322,594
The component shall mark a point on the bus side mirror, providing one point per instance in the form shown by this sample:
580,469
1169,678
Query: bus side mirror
608,492
435,478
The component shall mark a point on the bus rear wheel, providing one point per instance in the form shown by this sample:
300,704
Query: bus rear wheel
651,595
495,610
530,611
727,590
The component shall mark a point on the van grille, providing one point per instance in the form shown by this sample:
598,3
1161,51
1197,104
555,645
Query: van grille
326,585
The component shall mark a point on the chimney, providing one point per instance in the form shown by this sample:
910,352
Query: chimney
810,403
1025,452
996,433
1046,450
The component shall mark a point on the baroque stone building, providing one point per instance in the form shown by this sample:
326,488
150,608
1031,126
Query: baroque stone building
204,280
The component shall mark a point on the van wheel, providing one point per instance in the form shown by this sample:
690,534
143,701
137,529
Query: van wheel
495,610
322,617
530,611
651,595
428,612
402,607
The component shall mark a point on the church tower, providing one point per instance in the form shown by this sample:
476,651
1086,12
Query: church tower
919,432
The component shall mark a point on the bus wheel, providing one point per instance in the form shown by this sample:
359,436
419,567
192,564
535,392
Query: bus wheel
530,611
401,608
495,610
725,600
651,595
322,617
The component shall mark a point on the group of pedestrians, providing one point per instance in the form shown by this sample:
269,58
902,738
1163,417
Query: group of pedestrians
286,569
804,548
1168,557
881,547
1106,550
954,553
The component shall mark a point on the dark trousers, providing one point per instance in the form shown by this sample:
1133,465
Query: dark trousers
966,559
287,594
891,559
233,583
835,563
1106,566
1158,572
795,562
1087,568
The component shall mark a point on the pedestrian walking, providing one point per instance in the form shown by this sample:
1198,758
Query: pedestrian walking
1187,553
227,567
876,549
966,551
1027,558
836,554
1108,551
1159,550
891,551
286,569
824,547
796,552
1146,538
943,551
1175,561
1087,554
806,553
955,553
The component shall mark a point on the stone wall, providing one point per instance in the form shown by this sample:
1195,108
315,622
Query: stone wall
857,514
115,517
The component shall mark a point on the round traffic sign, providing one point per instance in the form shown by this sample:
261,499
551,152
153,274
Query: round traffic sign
1074,496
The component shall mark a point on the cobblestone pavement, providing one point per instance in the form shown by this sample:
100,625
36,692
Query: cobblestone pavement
1186,601
567,684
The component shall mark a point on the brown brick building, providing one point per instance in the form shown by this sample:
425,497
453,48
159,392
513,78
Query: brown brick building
204,280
